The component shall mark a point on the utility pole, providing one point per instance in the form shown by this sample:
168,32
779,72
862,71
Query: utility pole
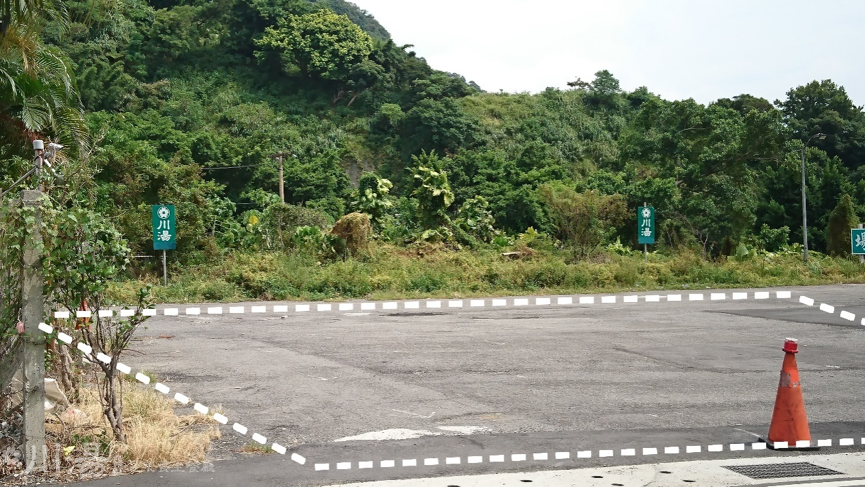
820,136
33,306
804,210
279,157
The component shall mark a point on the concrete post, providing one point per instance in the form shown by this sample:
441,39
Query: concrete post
33,355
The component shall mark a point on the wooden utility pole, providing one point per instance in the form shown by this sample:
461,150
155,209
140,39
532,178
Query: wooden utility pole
279,157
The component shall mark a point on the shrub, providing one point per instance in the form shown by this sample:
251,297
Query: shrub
627,272
843,218
373,196
426,282
355,230
217,291
545,274
582,220
283,220
475,219
311,240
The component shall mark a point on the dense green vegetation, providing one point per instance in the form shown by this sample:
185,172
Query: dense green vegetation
185,102
393,273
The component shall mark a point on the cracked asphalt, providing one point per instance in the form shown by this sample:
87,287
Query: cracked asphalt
522,379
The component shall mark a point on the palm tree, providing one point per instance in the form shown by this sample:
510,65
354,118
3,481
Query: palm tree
21,12
37,89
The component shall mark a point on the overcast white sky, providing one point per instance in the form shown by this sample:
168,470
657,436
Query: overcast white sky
677,48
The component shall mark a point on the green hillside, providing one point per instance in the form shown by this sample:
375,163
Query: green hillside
186,102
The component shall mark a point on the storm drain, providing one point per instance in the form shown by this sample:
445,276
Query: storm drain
781,470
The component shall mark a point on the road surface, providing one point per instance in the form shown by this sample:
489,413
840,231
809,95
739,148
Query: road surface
365,387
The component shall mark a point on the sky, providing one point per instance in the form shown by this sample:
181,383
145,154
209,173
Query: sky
678,49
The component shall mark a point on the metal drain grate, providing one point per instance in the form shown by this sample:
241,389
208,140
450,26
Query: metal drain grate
781,470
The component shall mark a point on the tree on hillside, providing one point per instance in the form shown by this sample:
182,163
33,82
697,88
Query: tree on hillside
745,103
327,46
605,84
441,126
604,93
843,218
362,76
438,86
321,44
781,200
718,160
639,96
105,58
824,107
247,20
174,33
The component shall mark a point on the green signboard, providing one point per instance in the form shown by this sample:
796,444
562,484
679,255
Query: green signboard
645,225
164,228
857,241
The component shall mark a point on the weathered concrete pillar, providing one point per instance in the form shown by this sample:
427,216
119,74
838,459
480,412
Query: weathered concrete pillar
33,356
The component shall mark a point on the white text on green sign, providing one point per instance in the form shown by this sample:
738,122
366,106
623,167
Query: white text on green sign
857,241
646,225
164,227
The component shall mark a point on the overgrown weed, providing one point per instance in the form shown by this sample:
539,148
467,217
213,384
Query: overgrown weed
428,271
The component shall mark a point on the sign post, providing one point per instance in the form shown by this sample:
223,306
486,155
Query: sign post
857,242
646,228
164,233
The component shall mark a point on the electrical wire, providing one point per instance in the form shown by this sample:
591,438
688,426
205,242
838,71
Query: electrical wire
16,183
227,167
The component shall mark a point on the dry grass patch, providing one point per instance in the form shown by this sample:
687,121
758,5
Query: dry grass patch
156,436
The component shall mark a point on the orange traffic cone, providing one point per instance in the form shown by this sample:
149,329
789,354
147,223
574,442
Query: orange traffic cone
789,423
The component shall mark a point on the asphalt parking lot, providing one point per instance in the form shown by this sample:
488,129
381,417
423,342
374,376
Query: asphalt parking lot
341,387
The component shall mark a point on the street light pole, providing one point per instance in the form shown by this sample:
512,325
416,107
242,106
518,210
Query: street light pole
820,136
